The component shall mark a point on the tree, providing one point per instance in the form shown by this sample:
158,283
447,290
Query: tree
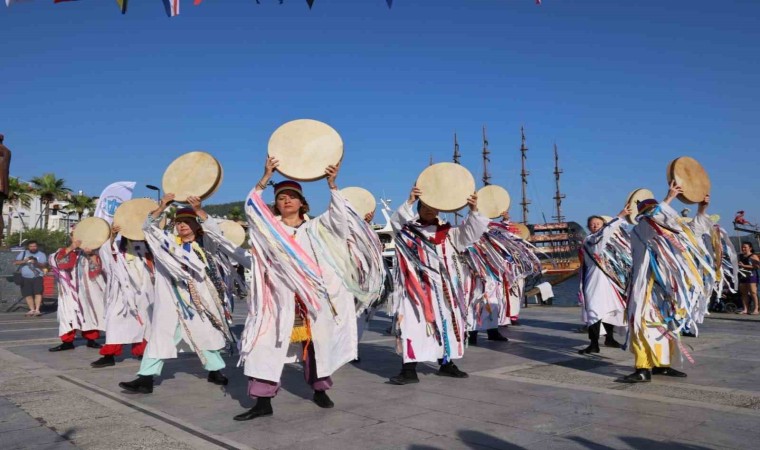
19,194
79,204
49,188
235,213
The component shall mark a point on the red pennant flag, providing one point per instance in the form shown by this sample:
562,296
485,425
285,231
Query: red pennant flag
197,2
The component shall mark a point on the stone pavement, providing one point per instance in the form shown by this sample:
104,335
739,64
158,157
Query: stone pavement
533,392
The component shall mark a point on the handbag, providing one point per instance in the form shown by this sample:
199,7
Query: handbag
18,279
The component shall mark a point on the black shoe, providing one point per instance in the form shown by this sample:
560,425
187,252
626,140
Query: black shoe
612,343
322,400
216,377
472,338
404,378
640,376
93,344
262,408
62,347
590,349
356,361
668,372
515,323
142,385
494,335
688,334
105,361
451,370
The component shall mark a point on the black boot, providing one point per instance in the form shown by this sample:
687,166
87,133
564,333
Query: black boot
262,408
105,361
640,376
592,348
494,335
322,400
451,370
62,347
216,377
668,372
142,385
408,375
472,338
92,344
611,342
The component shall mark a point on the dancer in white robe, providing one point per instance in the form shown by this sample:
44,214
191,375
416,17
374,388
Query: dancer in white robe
189,308
429,307
128,266
668,280
602,290
299,306
81,295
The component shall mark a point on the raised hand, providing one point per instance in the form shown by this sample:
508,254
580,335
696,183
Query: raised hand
332,173
472,202
625,212
673,191
414,195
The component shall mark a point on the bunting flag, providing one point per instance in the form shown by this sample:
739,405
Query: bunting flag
197,2
310,3
390,3
122,5
172,7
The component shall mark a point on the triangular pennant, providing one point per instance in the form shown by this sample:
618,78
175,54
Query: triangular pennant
310,3
390,3
172,7
122,5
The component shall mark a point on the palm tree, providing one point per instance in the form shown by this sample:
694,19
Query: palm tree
235,213
19,194
49,188
79,204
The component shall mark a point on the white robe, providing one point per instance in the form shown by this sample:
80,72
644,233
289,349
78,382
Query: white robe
413,340
334,337
81,299
129,291
175,266
601,301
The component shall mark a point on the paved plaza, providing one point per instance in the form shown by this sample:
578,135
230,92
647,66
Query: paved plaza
534,392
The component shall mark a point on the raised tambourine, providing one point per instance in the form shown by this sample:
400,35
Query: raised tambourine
521,230
446,186
607,219
493,201
633,203
304,149
360,199
193,174
93,232
131,215
233,231
691,176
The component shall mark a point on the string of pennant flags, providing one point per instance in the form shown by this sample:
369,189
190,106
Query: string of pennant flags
172,6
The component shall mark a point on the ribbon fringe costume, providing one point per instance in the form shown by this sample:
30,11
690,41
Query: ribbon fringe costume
297,297
129,273
189,309
672,278
81,294
429,299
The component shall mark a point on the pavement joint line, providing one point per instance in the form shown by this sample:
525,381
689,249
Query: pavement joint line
377,341
22,342
179,430
27,320
616,391
28,329
208,437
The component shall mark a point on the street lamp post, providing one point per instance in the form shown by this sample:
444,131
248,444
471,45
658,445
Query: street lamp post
157,189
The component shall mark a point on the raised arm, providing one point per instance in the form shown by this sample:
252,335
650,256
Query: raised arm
472,228
405,213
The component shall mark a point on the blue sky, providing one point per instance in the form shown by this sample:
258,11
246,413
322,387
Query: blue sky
622,87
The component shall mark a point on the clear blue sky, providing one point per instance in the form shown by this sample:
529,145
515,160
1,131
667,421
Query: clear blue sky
622,87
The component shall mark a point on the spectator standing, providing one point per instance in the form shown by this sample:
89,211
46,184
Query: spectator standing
33,262
749,263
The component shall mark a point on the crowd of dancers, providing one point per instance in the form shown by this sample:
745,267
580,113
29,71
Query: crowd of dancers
311,283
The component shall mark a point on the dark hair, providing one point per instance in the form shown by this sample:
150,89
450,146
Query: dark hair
304,204
28,243
590,218
751,248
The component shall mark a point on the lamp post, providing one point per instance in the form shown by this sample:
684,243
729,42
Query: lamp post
157,189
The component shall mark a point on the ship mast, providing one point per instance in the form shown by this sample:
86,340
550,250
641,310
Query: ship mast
524,176
558,196
457,157
486,160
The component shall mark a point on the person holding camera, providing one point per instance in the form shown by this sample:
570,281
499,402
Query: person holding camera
32,262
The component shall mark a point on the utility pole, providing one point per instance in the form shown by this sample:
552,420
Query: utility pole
524,176
558,196
486,159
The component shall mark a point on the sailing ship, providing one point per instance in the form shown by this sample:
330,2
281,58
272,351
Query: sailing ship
557,243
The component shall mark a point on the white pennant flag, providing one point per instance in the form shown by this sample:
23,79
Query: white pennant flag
113,196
